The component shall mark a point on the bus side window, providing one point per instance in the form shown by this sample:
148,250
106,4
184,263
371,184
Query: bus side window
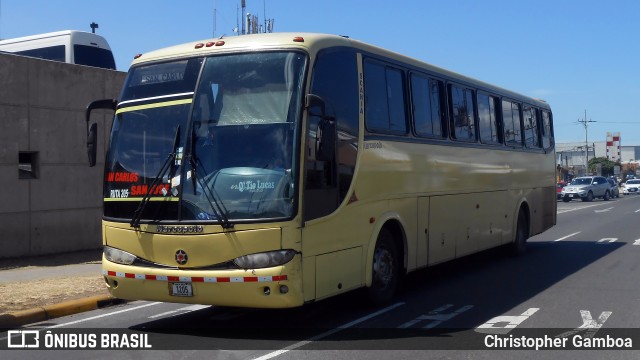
55,53
511,121
547,130
335,80
384,99
462,113
488,119
532,138
426,106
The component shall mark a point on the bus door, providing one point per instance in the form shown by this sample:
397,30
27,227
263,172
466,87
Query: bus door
332,253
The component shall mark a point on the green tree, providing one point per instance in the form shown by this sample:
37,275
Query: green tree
607,165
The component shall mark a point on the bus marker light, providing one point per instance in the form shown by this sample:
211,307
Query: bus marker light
219,43
284,289
372,220
137,56
199,46
298,39
210,44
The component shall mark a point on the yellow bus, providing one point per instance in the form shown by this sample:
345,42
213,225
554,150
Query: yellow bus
274,170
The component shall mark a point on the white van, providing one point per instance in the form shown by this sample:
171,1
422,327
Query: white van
70,46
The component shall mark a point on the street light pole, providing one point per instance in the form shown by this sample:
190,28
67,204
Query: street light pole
585,122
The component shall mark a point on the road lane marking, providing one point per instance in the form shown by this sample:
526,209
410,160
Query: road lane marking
607,240
180,311
436,316
328,333
568,236
566,210
103,315
97,317
504,324
589,325
603,210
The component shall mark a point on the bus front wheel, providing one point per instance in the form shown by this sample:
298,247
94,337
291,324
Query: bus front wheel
386,269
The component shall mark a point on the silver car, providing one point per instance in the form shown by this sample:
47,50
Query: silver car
587,188
615,189
631,187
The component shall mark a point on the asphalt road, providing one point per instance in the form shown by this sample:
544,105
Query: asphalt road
578,281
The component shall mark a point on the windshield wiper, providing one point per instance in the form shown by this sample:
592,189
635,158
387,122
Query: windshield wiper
137,215
219,210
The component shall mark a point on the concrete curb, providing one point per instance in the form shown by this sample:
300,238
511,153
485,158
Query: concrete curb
19,318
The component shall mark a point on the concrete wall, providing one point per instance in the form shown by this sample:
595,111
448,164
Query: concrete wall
42,107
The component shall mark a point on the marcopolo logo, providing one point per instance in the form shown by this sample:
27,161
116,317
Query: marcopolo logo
33,339
23,339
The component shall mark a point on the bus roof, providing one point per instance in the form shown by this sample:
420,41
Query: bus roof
96,39
308,42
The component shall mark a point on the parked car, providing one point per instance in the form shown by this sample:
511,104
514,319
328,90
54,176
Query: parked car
615,189
631,187
587,188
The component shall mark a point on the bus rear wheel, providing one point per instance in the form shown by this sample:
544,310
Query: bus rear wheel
386,269
519,245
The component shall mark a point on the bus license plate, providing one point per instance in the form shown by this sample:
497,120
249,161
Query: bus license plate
180,289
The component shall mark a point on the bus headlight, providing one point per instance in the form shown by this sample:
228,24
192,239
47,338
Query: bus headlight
118,256
265,260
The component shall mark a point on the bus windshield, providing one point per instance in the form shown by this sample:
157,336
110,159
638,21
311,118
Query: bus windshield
231,123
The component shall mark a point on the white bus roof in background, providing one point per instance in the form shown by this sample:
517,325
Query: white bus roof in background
78,36
71,46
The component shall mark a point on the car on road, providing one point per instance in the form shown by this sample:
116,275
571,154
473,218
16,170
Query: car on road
615,189
586,188
559,187
632,186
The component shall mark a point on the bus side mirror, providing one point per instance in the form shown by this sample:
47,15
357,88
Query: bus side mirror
326,134
92,131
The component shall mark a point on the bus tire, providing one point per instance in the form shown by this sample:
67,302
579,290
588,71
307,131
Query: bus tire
519,245
386,269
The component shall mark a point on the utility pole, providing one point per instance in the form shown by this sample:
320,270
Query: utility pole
215,9
585,123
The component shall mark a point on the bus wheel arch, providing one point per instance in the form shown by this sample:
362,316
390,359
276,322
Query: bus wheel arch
386,262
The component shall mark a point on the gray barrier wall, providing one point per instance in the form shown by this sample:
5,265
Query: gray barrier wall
43,134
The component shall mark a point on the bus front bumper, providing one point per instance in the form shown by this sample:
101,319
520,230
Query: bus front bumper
277,287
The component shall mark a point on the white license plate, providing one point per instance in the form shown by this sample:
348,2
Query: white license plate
570,195
180,289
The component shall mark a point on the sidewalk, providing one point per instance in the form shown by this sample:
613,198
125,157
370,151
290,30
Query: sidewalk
40,288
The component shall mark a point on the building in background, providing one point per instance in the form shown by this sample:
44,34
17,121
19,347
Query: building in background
572,157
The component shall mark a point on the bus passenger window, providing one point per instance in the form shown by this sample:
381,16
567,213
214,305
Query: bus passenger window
384,99
531,127
426,106
55,53
462,118
547,130
511,120
488,119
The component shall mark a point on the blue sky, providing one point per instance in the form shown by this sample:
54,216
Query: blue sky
576,54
